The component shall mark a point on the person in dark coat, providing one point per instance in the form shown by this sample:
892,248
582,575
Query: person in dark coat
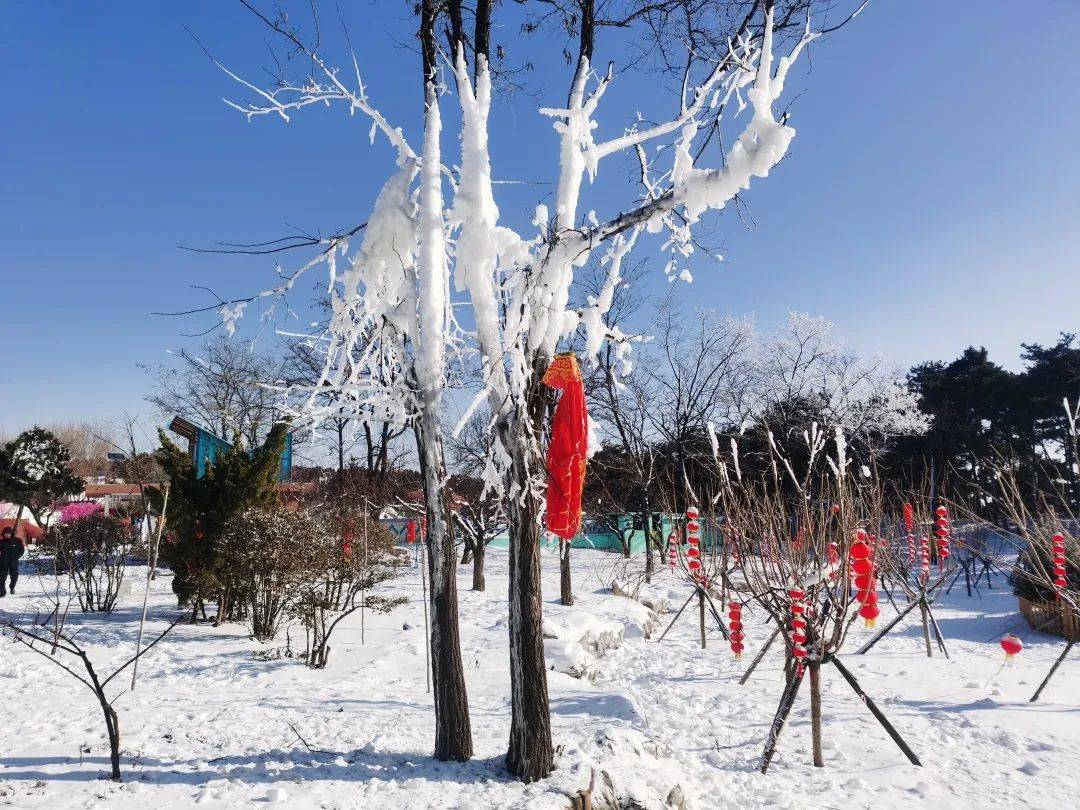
11,549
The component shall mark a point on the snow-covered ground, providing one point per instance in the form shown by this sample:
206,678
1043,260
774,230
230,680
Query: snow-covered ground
213,723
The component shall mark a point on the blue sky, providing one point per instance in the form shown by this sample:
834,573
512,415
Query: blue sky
929,201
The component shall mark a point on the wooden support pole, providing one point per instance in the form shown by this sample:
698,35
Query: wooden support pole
758,657
874,710
925,627
677,615
1050,674
701,615
937,631
865,648
787,700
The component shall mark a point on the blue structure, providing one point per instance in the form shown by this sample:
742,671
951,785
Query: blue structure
204,447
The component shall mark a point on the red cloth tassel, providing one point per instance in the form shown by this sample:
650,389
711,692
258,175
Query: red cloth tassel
568,449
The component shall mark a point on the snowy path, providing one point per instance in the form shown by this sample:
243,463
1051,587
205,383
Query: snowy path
210,724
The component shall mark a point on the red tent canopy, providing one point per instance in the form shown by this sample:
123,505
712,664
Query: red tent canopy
26,530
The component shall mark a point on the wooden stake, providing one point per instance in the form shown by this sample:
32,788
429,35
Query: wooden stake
758,657
701,615
787,700
1050,674
874,710
677,615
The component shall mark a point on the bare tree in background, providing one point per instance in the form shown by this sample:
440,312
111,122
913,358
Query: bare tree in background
224,385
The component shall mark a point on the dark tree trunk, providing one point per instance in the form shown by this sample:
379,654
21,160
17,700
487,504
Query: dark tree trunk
566,590
467,554
530,755
478,583
453,730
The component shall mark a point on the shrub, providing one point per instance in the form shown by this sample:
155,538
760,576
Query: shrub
344,563
93,551
267,554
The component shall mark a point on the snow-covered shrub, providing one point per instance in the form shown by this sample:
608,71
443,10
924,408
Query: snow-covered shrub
344,562
93,551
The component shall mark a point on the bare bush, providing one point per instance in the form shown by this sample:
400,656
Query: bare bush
93,550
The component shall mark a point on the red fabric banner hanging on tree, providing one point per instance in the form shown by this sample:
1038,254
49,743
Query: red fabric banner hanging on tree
568,449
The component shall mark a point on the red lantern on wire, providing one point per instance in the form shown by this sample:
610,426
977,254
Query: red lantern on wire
798,628
1057,544
1012,645
693,552
941,530
423,529
735,628
924,554
862,565
410,532
672,551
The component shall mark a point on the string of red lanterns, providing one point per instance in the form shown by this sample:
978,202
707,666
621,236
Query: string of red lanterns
693,553
1057,544
924,554
862,564
672,551
798,628
942,531
735,628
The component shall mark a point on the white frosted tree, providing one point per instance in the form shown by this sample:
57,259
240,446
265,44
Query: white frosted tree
392,296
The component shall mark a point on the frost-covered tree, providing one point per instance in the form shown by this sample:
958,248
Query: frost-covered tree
393,294
35,470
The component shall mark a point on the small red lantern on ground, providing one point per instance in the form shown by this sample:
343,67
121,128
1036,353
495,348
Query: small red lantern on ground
1012,645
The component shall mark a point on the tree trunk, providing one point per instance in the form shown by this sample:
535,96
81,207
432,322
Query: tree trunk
467,554
478,583
530,755
453,731
112,725
815,713
566,590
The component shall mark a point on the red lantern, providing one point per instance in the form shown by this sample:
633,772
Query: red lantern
410,532
735,627
1058,550
909,517
863,566
568,448
924,553
798,627
836,509
942,532
1012,646
693,553
673,551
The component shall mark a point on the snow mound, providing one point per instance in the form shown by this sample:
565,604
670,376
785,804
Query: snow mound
575,640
